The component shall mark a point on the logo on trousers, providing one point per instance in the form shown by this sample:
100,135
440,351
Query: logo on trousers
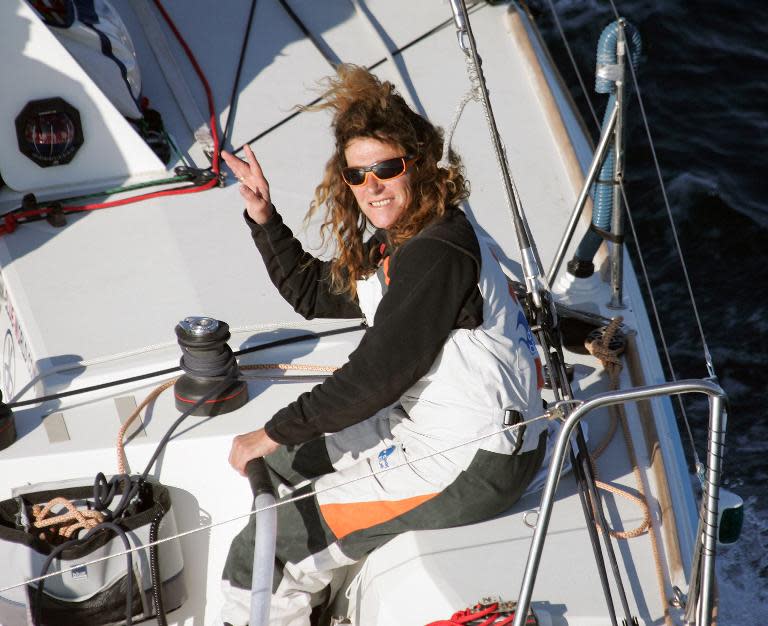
384,456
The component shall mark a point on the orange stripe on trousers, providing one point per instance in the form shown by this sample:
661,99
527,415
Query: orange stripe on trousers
344,519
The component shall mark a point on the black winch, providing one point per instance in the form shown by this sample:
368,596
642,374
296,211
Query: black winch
7,425
207,360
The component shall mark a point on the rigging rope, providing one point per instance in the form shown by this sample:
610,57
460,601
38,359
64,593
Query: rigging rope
473,93
67,523
121,460
600,348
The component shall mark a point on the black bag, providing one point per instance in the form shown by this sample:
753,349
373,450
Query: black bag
94,594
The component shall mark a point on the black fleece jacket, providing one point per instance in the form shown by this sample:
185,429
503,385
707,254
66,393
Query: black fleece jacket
432,290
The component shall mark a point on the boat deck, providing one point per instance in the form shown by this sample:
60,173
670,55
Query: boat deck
107,291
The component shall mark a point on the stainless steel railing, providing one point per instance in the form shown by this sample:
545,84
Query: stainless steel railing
701,593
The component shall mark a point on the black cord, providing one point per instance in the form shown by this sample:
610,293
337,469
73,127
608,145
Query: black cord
104,492
73,392
233,95
298,338
162,443
154,567
171,370
328,54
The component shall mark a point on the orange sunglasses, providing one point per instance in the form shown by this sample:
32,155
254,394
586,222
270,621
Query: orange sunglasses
388,169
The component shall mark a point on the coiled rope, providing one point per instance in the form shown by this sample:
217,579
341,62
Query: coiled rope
610,359
66,523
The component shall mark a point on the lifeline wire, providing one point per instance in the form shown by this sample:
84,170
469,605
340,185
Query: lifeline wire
553,414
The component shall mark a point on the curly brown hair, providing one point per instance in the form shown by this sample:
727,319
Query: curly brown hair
364,106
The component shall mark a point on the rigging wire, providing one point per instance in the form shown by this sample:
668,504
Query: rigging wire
233,96
705,346
696,461
329,55
636,241
371,67
580,78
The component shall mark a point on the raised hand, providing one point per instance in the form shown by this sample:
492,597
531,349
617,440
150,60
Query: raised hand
253,186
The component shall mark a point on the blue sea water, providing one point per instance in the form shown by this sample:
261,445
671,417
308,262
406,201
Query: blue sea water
704,83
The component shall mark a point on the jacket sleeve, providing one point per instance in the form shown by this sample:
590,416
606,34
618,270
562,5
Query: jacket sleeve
302,279
430,283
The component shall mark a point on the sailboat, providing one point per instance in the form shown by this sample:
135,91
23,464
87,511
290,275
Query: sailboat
123,248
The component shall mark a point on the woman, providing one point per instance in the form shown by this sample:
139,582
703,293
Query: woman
447,350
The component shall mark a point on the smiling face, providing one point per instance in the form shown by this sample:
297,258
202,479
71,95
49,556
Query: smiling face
382,201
